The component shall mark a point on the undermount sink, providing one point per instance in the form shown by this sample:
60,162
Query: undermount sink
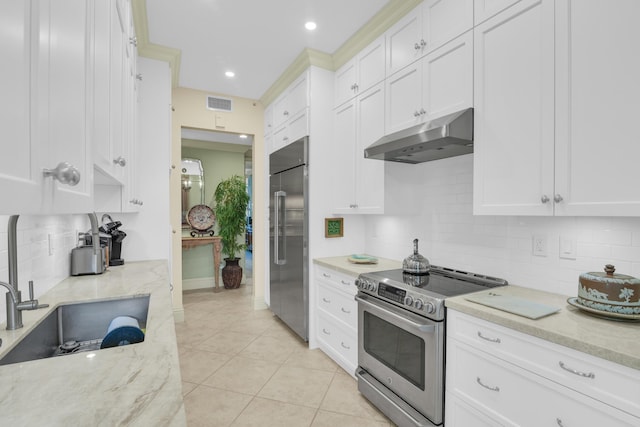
76,327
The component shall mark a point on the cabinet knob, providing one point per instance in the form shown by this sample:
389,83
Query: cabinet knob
285,112
65,172
417,46
544,198
416,113
133,41
557,198
120,161
139,76
422,112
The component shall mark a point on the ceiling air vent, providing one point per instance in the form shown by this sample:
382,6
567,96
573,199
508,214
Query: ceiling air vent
219,104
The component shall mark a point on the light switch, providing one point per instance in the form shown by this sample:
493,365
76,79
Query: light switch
567,247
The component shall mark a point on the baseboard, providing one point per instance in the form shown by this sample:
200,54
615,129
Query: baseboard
199,283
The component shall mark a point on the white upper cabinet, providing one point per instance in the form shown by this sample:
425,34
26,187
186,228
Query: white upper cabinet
597,107
294,99
290,114
485,9
268,120
20,173
362,72
47,111
358,183
439,84
513,111
424,29
554,117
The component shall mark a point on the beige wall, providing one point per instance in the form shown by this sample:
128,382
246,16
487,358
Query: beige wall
247,117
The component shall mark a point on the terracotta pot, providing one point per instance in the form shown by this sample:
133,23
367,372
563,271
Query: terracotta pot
607,291
231,273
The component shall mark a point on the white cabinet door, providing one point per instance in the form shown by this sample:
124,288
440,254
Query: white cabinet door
485,9
443,20
447,78
343,164
64,78
358,183
514,111
345,82
268,120
404,98
298,95
20,175
369,172
597,95
403,41
371,65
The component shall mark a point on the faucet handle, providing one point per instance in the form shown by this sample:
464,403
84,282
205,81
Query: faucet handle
31,289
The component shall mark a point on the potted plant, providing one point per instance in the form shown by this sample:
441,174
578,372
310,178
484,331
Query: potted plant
231,201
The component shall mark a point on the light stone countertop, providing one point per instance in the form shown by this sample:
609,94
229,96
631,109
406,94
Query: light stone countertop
343,265
612,340
615,341
134,385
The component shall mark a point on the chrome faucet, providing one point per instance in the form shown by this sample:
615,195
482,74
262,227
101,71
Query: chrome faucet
15,305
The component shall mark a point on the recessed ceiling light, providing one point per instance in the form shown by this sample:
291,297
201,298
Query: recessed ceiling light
310,25
229,74
243,136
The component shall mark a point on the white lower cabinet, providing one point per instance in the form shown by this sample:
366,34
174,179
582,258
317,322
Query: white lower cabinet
507,378
337,317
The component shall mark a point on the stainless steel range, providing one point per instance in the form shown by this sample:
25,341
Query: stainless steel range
401,321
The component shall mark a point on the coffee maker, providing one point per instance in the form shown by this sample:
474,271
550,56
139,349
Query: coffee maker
112,237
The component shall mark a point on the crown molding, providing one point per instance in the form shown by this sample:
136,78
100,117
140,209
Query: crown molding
375,27
151,50
307,58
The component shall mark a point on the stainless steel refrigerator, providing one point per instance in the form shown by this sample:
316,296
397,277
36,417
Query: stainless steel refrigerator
288,235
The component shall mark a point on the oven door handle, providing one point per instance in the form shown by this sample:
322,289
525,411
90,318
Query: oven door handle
421,327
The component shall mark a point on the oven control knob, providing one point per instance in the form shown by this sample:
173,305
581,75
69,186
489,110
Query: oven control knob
371,286
418,304
408,300
429,307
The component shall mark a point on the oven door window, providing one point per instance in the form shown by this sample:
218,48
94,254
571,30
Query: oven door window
396,348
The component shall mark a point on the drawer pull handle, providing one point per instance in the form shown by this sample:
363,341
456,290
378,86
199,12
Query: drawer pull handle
328,301
573,371
345,311
496,388
328,276
326,332
345,283
559,421
346,347
495,340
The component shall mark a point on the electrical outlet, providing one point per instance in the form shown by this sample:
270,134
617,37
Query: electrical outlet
539,243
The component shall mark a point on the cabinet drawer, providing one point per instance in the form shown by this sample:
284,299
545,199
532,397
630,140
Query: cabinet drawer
339,342
605,381
339,280
340,305
514,395
459,413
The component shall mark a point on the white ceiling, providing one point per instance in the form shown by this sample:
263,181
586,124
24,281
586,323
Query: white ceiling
257,39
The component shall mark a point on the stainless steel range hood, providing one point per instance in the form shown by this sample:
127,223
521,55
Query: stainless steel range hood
447,136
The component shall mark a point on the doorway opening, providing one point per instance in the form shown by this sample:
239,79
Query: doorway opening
221,155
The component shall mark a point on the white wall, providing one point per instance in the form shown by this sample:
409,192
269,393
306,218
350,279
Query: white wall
35,260
438,198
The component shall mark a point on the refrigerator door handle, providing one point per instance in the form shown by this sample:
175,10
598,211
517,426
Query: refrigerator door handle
279,228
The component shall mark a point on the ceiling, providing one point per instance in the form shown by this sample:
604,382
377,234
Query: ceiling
256,39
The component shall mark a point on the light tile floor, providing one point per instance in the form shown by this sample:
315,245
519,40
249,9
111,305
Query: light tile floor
244,367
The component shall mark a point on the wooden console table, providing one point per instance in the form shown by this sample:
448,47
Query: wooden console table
192,242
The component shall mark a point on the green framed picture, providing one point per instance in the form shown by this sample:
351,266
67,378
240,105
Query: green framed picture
333,227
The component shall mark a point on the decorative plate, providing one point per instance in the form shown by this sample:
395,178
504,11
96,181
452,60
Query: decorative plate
201,217
362,259
605,314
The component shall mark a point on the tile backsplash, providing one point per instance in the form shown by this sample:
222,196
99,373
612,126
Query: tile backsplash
44,247
439,198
